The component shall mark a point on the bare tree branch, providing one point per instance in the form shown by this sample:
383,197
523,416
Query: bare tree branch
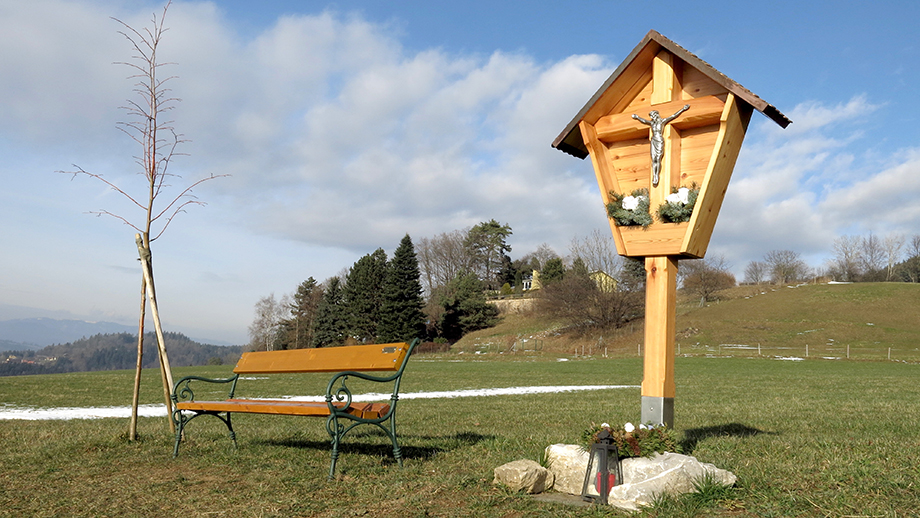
101,178
116,216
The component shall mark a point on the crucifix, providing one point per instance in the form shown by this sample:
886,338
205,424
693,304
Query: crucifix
656,126
697,144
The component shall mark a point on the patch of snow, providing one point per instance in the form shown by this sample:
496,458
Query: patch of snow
40,414
35,414
790,358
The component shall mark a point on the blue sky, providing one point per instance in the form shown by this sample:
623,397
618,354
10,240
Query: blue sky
346,125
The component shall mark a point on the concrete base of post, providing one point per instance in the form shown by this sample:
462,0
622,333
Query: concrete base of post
658,410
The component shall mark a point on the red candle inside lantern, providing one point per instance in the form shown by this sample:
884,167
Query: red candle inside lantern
611,481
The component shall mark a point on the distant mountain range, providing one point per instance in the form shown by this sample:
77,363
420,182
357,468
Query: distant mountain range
113,351
31,334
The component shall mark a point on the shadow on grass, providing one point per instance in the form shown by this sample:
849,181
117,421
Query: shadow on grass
357,443
693,436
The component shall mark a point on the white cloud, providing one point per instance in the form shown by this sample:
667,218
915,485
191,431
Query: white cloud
58,82
340,140
885,200
333,133
812,115
799,190
349,147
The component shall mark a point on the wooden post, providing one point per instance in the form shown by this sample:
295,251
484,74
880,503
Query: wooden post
660,336
135,399
702,117
165,370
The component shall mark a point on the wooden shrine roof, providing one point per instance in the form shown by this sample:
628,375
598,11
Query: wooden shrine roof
570,140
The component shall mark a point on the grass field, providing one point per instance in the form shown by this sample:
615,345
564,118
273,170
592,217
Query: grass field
808,438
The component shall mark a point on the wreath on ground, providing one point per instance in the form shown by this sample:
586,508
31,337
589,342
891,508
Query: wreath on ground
635,441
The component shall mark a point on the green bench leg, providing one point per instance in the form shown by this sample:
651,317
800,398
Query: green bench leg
181,421
180,425
335,431
397,452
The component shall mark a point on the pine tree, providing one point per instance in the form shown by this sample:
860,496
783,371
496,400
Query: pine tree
486,244
298,330
465,307
579,267
331,325
364,295
553,271
401,317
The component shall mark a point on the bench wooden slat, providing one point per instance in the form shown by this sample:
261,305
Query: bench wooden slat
284,407
379,357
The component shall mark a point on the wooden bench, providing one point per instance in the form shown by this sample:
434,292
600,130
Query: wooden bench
341,413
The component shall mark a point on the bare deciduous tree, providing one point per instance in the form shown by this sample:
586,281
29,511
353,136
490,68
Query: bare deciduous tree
598,252
442,258
706,277
785,266
579,301
910,269
847,263
913,249
872,255
147,125
894,243
265,330
755,272
542,255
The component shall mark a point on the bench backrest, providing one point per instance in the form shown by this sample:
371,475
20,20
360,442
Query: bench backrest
378,357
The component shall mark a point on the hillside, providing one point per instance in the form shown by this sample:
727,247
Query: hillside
26,334
113,352
866,318
34,333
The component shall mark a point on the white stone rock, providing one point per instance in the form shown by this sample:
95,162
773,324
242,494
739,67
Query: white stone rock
568,463
644,478
524,475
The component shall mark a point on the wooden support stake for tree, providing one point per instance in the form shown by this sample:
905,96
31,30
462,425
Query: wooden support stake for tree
132,427
166,372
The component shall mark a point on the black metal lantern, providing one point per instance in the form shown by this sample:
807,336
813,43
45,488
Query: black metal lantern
603,470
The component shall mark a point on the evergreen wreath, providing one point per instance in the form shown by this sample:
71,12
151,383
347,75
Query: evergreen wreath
679,205
629,211
635,441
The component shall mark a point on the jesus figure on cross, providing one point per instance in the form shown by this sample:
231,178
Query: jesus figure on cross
656,128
